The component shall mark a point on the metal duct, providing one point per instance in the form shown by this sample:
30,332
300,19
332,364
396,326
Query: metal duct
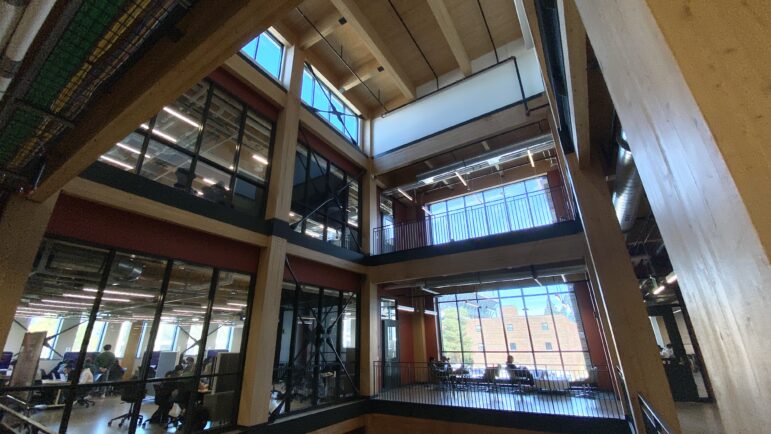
26,30
492,277
628,190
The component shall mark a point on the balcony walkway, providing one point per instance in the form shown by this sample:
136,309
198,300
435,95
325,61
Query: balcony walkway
597,404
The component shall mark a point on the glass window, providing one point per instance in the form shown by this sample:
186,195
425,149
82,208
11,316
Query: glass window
333,197
266,52
195,144
329,106
542,331
323,332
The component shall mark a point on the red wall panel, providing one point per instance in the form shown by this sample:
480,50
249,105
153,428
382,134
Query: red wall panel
243,92
314,273
597,350
326,151
93,223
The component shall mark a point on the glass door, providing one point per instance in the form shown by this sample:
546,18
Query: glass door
391,371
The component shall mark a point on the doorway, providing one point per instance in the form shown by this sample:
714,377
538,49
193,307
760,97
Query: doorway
390,348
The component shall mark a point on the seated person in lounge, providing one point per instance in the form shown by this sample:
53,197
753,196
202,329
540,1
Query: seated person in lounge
518,374
163,395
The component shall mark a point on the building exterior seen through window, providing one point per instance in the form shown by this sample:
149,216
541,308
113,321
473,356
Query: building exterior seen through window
325,201
206,143
512,207
316,350
96,316
266,52
328,106
511,322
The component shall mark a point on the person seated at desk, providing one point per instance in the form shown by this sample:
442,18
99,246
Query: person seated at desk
175,391
518,374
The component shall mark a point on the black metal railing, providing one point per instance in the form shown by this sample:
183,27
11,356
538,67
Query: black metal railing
582,392
509,214
653,423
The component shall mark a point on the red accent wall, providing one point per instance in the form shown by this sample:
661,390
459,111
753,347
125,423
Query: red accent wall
94,223
594,340
237,88
406,352
320,146
314,273
554,178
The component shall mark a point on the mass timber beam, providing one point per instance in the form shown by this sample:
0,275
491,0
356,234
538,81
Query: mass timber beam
450,32
325,27
376,45
574,51
363,73
209,34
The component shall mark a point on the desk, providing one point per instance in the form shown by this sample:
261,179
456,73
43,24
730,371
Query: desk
58,397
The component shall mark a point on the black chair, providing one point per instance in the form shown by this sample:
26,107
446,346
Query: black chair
133,394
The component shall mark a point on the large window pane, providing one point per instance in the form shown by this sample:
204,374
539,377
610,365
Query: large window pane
124,154
180,122
329,106
212,183
255,144
220,135
167,166
269,54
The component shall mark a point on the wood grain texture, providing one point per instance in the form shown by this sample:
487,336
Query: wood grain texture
690,82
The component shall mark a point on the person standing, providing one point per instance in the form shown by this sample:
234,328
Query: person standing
104,362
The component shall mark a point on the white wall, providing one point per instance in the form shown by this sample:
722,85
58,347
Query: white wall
475,96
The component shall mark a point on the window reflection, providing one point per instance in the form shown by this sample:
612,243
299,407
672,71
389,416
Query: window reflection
328,106
149,323
206,143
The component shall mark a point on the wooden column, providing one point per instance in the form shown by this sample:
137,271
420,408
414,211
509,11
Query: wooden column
130,354
285,146
419,353
609,260
690,83
370,337
261,347
22,226
369,215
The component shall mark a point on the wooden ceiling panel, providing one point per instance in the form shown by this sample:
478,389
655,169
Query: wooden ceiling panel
501,18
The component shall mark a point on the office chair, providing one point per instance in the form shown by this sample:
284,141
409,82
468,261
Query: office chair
133,394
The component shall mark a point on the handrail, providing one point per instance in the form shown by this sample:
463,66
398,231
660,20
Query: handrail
509,214
653,423
37,426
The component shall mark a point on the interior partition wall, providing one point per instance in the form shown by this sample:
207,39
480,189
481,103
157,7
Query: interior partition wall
177,331
317,348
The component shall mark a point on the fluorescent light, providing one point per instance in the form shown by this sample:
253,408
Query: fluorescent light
128,148
307,318
91,297
430,291
430,312
461,178
425,209
405,308
208,181
182,117
671,277
293,215
405,194
236,304
353,223
172,139
677,311
260,159
564,279
530,156
659,289
429,180
48,300
229,309
114,161
190,311
124,293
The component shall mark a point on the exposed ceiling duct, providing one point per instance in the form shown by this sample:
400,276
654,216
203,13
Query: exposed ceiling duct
493,277
541,143
628,189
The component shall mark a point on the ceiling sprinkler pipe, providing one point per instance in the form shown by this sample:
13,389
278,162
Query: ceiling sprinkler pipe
28,27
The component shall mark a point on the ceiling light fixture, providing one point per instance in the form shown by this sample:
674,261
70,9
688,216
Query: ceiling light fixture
430,312
425,209
161,134
49,300
182,117
114,161
128,148
124,293
91,297
228,309
404,194
405,308
530,156
658,290
230,303
260,159
461,178
430,291
671,278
